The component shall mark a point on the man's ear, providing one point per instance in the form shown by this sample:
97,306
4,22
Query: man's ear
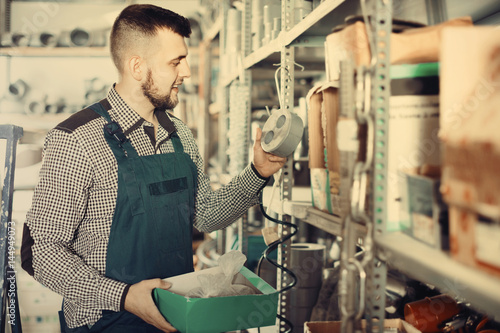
135,66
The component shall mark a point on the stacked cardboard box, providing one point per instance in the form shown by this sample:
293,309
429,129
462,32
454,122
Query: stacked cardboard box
330,166
469,129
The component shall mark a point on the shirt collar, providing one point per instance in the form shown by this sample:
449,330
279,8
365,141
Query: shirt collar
129,120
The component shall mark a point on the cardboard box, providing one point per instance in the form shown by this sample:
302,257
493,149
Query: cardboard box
316,137
218,314
317,149
425,215
413,138
412,130
334,326
466,53
324,155
474,240
469,130
407,47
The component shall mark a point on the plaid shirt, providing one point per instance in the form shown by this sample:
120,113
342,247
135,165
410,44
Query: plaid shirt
74,201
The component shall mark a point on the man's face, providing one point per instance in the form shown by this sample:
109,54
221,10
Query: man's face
167,69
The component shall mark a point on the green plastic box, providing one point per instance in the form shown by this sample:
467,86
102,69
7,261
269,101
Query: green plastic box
217,314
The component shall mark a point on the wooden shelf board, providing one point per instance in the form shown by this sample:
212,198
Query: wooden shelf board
55,51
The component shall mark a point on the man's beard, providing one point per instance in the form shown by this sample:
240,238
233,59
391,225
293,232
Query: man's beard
159,102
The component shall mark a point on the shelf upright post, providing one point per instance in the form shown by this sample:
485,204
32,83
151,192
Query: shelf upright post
223,93
205,93
223,97
381,28
371,110
287,97
245,82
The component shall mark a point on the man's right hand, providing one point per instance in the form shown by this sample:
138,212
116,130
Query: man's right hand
140,302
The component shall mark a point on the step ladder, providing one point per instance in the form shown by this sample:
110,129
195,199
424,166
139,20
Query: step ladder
9,306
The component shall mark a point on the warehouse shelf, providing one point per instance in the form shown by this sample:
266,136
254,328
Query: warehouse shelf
55,51
314,23
318,22
397,250
313,216
437,268
266,74
263,69
299,194
301,208
27,51
214,30
226,81
262,53
327,222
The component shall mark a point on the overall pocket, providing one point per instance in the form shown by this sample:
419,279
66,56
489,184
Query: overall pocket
173,214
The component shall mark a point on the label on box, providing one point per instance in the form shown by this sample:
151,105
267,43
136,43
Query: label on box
413,141
487,240
423,228
420,203
318,186
347,135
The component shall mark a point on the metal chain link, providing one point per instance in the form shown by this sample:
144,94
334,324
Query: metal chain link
378,26
359,192
362,168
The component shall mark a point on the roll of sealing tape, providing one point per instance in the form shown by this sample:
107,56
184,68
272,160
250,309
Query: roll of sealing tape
307,261
282,133
307,251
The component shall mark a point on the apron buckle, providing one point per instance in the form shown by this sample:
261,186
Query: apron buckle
115,131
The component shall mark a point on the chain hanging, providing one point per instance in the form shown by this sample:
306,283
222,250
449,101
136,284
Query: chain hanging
357,264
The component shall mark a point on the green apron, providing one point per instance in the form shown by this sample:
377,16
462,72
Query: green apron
151,232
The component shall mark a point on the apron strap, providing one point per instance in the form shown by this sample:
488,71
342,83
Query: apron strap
176,142
113,133
122,149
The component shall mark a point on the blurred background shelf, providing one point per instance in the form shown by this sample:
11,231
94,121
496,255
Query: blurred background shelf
437,268
55,51
214,30
318,22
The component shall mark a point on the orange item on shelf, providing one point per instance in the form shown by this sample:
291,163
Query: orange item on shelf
427,314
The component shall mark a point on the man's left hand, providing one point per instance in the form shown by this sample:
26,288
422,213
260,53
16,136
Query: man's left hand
266,164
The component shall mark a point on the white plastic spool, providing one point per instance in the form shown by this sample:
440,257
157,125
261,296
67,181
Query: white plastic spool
282,133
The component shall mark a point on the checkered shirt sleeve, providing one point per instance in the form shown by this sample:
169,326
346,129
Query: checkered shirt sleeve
59,205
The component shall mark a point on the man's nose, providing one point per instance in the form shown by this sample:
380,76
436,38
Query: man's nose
185,71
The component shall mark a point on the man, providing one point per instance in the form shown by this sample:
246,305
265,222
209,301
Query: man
122,184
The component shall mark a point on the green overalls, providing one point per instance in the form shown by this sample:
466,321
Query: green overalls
151,232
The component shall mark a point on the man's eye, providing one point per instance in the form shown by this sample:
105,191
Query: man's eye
177,63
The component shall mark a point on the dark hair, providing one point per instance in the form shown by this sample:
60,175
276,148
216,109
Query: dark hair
141,22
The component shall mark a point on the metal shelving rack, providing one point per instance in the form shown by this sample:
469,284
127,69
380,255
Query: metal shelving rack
396,250
285,44
432,266
287,97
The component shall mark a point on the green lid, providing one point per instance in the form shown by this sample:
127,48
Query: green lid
414,70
